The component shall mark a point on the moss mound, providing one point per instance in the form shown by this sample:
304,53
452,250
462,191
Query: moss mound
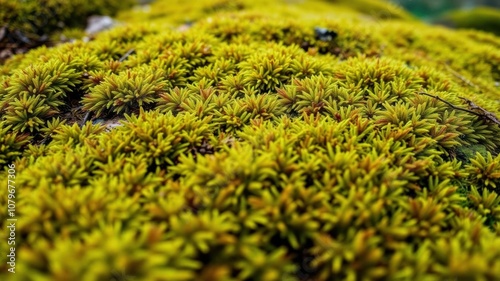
223,141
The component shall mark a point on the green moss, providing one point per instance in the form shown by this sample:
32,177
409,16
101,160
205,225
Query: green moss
465,153
252,144
28,24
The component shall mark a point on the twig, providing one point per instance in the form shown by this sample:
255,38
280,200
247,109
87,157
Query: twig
450,104
483,113
85,118
125,56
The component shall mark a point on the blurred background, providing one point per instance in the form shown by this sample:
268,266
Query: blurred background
434,8
476,14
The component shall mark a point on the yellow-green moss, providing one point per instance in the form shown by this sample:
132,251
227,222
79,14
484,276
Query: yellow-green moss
256,144
30,23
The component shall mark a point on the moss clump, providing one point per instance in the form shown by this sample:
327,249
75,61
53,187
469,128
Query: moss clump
256,145
31,23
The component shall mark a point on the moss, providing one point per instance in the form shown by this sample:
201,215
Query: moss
307,141
28,24
465,153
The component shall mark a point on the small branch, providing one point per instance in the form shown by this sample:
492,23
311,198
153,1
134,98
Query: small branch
85,118
450,104
125,56
483,113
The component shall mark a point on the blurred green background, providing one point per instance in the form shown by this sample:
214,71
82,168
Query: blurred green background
473,14
428,9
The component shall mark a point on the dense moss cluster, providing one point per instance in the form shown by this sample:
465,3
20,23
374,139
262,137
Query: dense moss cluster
256,145
27,24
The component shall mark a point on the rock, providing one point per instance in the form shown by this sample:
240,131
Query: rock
96,24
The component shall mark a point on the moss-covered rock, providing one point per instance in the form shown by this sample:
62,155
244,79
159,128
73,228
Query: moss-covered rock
306,141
